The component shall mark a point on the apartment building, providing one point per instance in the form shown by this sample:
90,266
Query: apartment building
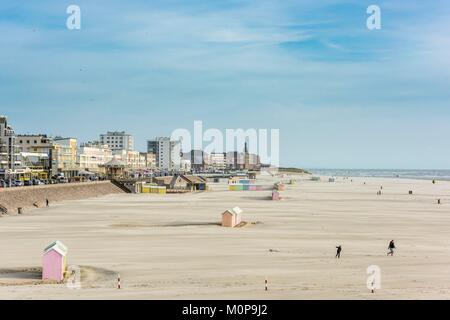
9,156
118,140
167,152
149,160
131,159
35,151
92,157
64,157
217,161
34,143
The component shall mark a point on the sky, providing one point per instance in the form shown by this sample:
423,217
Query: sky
342,96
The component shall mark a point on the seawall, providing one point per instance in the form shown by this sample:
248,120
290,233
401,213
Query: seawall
35,196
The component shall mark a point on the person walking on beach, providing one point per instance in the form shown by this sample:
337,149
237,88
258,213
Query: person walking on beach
391,248
338,252
47,202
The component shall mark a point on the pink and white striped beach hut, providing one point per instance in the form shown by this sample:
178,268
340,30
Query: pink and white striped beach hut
54,262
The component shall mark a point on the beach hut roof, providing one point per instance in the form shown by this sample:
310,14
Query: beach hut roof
58,246
235,210
193,179
228,211
165,179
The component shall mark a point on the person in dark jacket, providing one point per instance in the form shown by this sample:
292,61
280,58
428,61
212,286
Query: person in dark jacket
338,252
391,248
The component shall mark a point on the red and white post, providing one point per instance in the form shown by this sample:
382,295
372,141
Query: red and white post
118,281
267,282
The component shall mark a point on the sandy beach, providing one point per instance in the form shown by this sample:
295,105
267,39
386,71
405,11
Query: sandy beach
171,246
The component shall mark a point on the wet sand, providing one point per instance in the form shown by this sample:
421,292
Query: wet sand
171,246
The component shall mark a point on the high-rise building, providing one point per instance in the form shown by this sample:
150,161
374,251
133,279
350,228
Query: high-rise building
116,140
167,153
9,156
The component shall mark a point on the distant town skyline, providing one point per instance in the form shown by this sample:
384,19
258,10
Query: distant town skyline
342,96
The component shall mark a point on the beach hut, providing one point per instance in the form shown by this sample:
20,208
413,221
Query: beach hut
164,181
275,195
231,217
54,262
195,182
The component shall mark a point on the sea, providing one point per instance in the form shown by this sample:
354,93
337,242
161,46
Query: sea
385,173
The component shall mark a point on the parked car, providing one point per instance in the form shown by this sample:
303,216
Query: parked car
19,183
28,183
36,182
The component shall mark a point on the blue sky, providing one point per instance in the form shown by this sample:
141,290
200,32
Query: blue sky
341,95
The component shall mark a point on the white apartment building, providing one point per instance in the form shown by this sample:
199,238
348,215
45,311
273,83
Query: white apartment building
167,153
217,161
185,165
9,155
132,159
92,156
116,140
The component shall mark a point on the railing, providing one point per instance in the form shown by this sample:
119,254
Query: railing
121,185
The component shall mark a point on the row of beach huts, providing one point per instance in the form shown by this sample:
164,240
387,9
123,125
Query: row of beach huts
173,184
